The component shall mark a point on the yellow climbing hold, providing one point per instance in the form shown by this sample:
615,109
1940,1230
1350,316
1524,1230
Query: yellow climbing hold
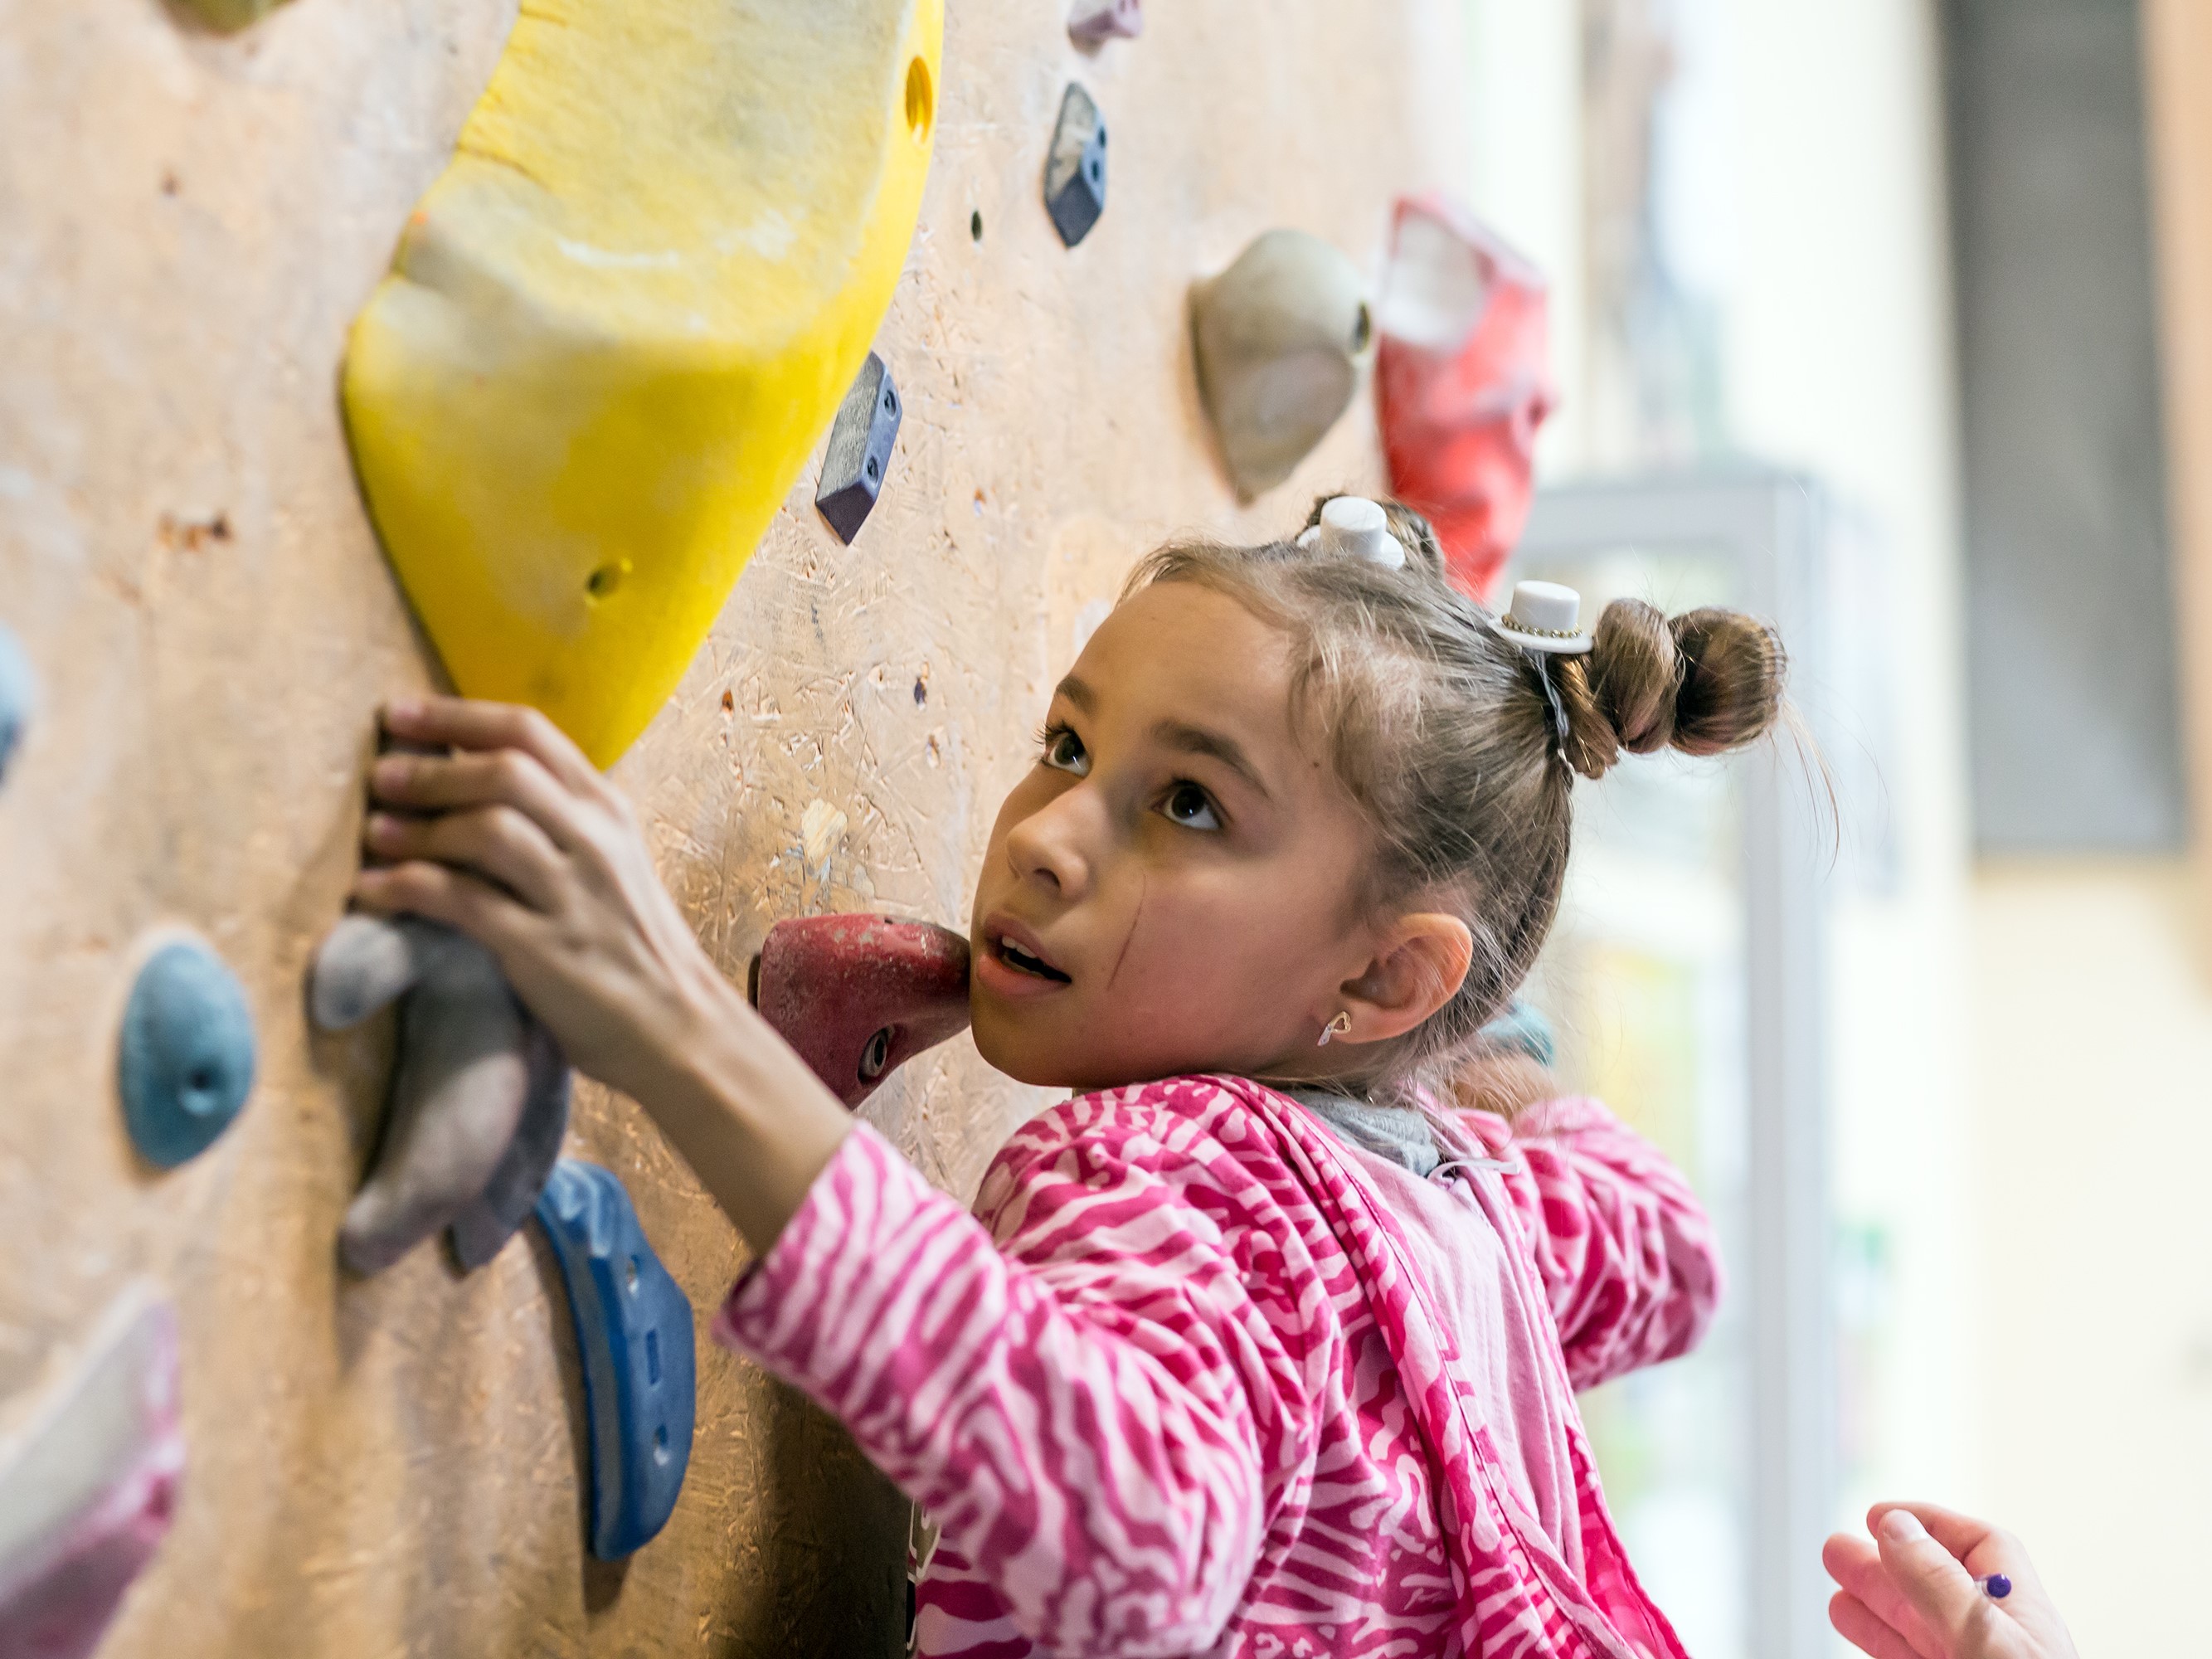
618,323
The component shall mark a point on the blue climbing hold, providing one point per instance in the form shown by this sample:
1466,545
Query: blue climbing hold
1524,1029
186,1060
634,1335
18,694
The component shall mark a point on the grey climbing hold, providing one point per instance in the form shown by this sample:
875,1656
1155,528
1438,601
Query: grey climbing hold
1075,168
493,1217
19,695
1280,338
634,1336
185,1064
1093,23
478,1101
858,458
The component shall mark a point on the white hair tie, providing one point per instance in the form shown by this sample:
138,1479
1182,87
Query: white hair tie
1352,527
1542,617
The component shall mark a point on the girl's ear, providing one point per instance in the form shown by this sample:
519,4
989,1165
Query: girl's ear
1418,968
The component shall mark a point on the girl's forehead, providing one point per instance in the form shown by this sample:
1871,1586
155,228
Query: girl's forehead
1180,642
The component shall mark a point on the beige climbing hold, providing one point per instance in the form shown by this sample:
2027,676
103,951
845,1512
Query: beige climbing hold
1281,337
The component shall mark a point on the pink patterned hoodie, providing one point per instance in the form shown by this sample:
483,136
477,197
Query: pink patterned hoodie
1179,1386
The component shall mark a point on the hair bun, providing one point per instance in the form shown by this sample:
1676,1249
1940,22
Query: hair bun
1704,682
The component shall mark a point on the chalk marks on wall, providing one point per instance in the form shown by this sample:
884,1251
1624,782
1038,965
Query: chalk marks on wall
478,1098
859,459
616,326
19,694
634,1340
184,1058
90,1482
858,996
1075,167
1281,339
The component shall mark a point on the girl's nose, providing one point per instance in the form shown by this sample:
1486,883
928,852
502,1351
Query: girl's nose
1054,844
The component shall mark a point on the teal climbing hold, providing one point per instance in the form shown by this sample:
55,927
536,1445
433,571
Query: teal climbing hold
1523,1030
185,1061
634,1336
18,695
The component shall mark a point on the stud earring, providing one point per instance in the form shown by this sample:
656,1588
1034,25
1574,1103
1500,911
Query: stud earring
1335,1028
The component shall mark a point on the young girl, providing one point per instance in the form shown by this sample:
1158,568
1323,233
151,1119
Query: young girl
1249,1347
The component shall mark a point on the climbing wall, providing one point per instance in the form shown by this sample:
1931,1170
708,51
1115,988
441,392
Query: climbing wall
189,223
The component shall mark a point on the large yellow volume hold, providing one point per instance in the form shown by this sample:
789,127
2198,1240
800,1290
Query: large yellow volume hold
619,321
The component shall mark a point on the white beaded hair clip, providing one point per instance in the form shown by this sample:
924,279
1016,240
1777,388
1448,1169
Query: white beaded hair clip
1542,617
1352,527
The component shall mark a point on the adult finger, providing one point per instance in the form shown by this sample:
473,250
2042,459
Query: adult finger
1941,1591
1857,1623
440,893
1983,1547
496,841
1857,1567
464,723
501,777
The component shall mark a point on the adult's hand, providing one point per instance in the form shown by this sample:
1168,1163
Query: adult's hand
1912,1592
507,832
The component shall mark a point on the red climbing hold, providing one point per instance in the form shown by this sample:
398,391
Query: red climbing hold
858,995
1462,381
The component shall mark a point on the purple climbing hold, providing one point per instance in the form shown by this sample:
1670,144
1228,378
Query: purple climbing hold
1094,22
89,1485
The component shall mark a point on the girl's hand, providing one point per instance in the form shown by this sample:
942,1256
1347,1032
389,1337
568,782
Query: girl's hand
516,840
1913,1593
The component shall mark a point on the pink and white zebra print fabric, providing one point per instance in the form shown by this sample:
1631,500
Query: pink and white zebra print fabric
1176,1388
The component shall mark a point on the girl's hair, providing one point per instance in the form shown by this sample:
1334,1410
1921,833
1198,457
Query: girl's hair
1443,734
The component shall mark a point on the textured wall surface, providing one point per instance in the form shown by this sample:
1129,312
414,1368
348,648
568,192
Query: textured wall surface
187,224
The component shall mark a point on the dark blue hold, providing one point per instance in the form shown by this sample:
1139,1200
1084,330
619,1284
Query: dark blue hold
1075,167
18,693
1524,1029
634,1335
858,456
186,1060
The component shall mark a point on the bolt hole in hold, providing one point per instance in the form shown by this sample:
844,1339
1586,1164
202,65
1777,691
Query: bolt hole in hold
873,469
629,1276
975,227
660,1446
877,1055
1363,330
602,583
920,99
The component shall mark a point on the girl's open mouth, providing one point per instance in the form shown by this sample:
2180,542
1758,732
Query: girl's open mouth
1026,961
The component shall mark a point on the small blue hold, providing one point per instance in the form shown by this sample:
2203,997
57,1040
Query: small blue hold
186,1060
18,696
634,1335
1523,1028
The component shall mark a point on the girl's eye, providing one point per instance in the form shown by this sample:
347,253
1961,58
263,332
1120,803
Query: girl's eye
1064,752
1192,807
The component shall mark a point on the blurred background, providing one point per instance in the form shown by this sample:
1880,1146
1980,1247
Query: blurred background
1929,279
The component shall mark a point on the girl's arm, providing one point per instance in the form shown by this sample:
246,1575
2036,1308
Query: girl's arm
1089,1421
1626,1252
1093,1407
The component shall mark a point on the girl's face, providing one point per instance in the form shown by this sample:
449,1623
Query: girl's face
1170,889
